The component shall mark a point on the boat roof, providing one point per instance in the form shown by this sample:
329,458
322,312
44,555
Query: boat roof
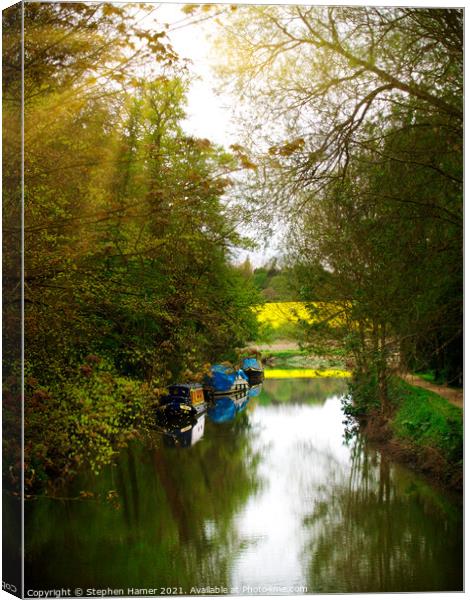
186,385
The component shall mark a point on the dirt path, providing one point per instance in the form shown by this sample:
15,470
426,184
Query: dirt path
451,394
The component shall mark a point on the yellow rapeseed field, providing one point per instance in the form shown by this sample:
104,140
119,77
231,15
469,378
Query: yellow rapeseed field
280,313
305,373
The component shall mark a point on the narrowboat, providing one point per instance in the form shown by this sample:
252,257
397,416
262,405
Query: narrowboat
184,435
184,398
225,380
253,370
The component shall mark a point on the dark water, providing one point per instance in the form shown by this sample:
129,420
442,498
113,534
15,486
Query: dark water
268,499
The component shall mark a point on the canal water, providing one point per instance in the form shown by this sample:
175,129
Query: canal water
263,497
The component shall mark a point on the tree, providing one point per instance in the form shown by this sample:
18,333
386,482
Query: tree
366,163
128,238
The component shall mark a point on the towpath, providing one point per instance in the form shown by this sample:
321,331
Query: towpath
455,396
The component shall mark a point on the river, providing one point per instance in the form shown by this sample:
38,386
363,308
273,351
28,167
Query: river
269,499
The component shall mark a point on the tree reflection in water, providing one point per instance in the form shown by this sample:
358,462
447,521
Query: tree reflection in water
367,535
273,496
171,522
295,391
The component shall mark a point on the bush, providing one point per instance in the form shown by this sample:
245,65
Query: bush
363,394
88,419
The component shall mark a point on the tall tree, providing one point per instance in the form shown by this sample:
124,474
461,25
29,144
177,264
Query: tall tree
365,161
128,237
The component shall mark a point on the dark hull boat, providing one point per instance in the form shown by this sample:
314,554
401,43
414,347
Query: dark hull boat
184,435
183,400
253,370
174,408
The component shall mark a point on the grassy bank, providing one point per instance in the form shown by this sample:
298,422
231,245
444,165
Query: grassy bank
428,420
424,430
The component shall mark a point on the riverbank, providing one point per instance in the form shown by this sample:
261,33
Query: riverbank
286,354
423,431
453,395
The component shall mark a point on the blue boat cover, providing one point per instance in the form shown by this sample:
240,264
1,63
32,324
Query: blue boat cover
223,377
250,363
241,373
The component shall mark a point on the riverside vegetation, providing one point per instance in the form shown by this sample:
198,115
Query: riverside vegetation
365,167
131,225
129,281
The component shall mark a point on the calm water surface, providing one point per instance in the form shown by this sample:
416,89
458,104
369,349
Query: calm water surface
262,498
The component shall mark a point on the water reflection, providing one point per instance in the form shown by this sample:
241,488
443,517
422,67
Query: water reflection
225,408
268,496
185,434
304,391
379,528
170,521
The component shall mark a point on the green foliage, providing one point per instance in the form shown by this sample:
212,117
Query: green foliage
301,359
182,490
363,394
81,423
275,283
428,420
267,334
428,376
283,353
364,162
128,237
260,278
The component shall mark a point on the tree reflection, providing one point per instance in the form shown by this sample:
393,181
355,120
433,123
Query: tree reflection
366,535
310,391
171,524
277,483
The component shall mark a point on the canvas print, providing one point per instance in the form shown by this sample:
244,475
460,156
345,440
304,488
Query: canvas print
232,299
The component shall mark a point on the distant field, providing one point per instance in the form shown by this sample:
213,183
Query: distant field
305,373
277,314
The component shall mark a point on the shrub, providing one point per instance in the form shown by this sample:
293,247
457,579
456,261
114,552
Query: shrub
88,419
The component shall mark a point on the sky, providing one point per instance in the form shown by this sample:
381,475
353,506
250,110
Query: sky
209,113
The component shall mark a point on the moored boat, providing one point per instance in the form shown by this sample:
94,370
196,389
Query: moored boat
253,370
184,435
184,398
225,380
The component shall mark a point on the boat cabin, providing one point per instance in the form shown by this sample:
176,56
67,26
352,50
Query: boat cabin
253,370
189,393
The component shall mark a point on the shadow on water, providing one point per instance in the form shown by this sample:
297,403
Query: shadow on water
255,493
